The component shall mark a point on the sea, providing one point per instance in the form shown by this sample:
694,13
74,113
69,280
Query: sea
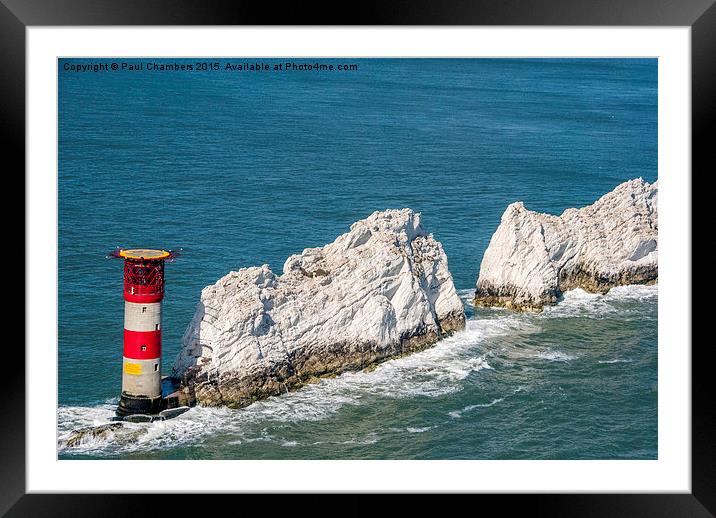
241,167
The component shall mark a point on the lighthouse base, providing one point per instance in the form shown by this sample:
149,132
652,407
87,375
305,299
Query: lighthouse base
129,404
175,395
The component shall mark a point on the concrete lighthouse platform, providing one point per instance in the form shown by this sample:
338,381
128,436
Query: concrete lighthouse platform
175,400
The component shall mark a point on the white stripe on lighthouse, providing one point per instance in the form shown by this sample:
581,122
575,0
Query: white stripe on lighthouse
142,377
142,316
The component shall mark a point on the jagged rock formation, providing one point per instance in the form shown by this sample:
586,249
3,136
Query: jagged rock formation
90,433
115,432
381,290
532,257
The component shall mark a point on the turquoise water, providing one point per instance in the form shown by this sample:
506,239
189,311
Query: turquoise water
245,168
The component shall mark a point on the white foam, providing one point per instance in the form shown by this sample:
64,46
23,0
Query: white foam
633,291
70,418
554,355
419,430
578,302
458,413
371,438
467,296
618,360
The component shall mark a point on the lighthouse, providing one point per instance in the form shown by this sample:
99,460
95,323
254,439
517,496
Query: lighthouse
142,356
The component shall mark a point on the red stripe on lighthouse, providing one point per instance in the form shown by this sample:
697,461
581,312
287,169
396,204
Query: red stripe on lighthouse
143,297
142,345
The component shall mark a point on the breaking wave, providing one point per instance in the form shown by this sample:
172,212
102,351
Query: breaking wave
458,413
618,300
554,356
422,429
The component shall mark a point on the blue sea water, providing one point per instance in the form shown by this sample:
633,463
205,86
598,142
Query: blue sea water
242,168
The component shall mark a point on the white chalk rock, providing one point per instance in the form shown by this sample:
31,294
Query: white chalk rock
532,257
383,289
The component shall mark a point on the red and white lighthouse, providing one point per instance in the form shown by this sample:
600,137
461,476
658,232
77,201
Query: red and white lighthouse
142,358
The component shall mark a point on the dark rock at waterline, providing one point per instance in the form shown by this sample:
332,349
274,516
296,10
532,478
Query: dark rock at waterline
140,418
92,433
173,412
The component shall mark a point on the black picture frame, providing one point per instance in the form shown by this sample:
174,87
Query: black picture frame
700,15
